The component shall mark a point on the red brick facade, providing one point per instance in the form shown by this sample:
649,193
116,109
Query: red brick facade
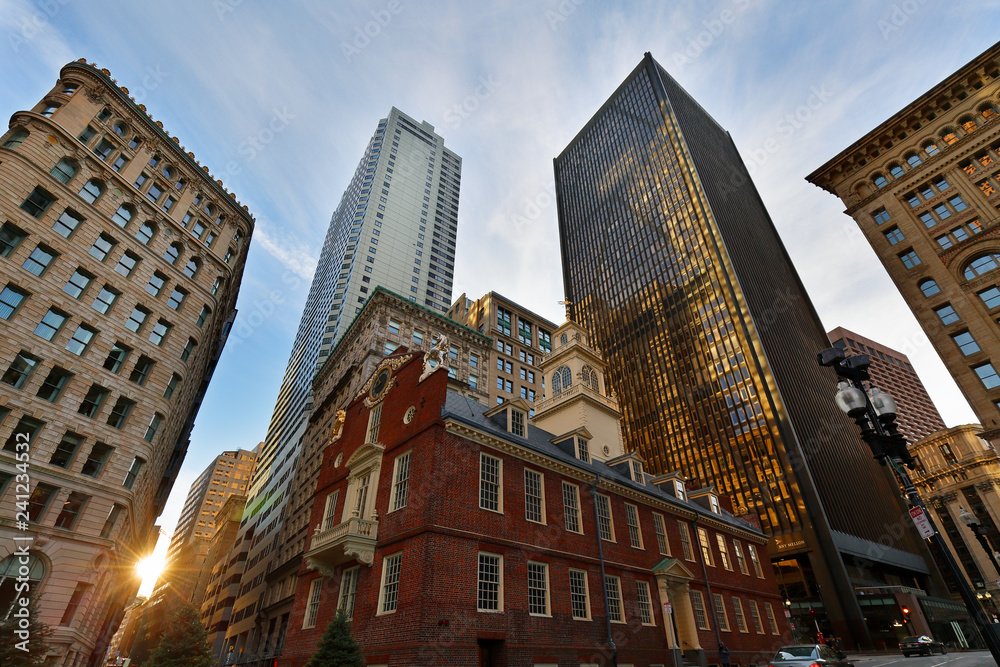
441,530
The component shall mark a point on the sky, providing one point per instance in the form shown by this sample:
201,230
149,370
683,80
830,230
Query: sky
279,100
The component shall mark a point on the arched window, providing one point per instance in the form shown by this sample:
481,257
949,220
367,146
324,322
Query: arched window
988,111
10,570
982,264
949,136
913,159
880,181
146,232
121,129
931,148
123,215
929,287
191,270
969,124
562,380
64,170
92,191
590,379
16,138
173,253
896,171
563,339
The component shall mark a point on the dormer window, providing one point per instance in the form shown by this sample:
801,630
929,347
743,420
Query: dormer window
714,503
517,422
374,419
636,469
679,490
583,450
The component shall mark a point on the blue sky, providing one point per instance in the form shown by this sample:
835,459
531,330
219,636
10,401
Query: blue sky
280,98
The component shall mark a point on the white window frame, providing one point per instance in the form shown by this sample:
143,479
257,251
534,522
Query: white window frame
400,480
713,501
330,510
499,565
387,563
545,573
727,562
348,590
483,456
540,497
583,450
700,605
312,603
645,602
574,494
604,502
758,624
660,525
634,531
613,584
771,620
686,546
374,421
518,423
741,560
705,545
755,560
586,594
741,617
636,469
679,490
719,605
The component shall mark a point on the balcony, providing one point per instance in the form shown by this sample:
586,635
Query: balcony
574,390
353,539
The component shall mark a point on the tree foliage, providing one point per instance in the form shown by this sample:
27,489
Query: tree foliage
20,632
337,648
184,644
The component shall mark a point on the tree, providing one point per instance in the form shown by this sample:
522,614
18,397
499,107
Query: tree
337,648
184,643
12,644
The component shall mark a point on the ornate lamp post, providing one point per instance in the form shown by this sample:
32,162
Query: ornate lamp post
979,530
874,411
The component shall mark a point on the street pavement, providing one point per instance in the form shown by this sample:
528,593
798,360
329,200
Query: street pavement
951,659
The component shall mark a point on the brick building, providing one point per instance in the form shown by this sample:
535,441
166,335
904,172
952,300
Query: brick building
458,533
120,263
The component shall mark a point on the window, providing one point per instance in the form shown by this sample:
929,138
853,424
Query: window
958,204
156,283
988,375
23,434
146,233
10,238
119,414
929,287
473,359
16,138
37,203
159,332
191,268
140,372
534,496
605,523
517,419
109,523
686,541
389,595
740,558
312,606
71,510
120,163
880,181
133,472
103,149
706,547
400,481
645,602
77,283
374,420
913,159
947,314
632,520
153,427
571,507
418,338
700,617
909,259
154,192
50,324
490,483
896,171
81,340
105,300
123,216
39,260
202,316
927,219
389,348
894,236
39,500
188,349
538,589
210,239
489,589
721,617
741,620
171,387
54,384
126,265
616,611
756,563
67,223
330,510
579,595
98,456
11,299
91,191
117,356
966,343
981,265
137,319
661,534
562,379
93,401
393,327
20,370
770,618
348,591
758,627
173,253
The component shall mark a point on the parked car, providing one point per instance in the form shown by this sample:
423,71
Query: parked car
922,645
803,655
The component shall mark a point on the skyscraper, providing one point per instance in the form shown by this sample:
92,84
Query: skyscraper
120,263
922,187
676,271
395,226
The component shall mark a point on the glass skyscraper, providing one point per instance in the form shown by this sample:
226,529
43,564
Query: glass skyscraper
395,226
672,264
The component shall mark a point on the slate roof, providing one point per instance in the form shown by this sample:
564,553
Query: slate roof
471,412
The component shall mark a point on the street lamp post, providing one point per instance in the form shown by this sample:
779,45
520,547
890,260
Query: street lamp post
874,411
979,530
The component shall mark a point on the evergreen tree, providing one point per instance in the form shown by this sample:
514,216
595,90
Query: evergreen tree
12,644
184,644
337,648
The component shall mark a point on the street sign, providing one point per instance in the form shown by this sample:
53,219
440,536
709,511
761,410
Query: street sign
667,608
788,614
920,521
